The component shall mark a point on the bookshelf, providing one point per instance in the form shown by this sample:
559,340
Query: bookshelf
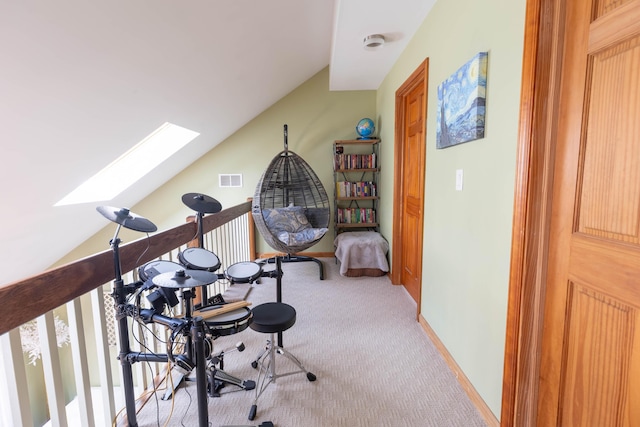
356,167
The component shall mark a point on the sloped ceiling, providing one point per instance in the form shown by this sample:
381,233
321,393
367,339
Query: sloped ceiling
82,82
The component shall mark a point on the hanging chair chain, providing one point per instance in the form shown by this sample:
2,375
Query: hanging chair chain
286,138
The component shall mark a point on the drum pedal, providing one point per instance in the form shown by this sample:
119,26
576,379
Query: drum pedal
218,379
214,386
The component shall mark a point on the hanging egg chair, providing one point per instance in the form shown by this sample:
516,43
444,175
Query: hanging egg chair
290,206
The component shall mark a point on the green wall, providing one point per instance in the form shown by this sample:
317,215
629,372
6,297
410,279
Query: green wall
467,234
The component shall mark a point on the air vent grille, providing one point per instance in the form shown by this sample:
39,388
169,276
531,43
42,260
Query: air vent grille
230,180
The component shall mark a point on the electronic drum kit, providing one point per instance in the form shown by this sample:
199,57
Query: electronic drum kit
199,325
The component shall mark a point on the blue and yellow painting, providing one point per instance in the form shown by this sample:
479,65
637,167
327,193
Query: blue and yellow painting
461,104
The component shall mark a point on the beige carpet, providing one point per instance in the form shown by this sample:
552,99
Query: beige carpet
374,363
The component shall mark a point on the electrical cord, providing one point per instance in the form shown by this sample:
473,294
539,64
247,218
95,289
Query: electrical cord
154,392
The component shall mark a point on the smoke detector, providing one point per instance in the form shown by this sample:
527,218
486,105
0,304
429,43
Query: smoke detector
373,41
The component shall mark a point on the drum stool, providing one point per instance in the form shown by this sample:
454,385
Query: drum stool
272,318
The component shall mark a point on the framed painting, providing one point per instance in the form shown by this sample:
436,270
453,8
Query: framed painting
461,104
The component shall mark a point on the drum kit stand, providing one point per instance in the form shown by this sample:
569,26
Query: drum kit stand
168,277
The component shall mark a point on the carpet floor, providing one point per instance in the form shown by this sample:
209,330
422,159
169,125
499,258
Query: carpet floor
374,363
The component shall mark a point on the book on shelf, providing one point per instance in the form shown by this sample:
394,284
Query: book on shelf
354,161
356,215
356,189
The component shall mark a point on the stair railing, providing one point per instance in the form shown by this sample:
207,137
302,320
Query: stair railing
80,292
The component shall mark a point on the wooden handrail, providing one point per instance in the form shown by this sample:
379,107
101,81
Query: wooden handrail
29,298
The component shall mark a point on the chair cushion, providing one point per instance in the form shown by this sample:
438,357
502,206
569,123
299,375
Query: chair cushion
290,219
301,237
290,225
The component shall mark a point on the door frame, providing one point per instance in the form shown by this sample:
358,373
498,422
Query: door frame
418,77
541,67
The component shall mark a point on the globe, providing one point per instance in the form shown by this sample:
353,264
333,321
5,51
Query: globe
365,128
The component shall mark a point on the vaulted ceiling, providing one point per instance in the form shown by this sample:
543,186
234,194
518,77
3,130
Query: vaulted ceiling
82,82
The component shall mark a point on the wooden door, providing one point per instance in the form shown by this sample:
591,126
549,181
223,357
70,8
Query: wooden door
590,362
409,199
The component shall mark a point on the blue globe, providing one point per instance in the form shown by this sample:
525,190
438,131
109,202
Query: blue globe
365,128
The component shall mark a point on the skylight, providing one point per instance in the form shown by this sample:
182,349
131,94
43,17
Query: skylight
132,165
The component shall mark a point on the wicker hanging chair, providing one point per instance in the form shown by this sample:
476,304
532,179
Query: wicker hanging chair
290,206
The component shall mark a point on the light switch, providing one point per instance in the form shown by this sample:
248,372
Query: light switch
459,179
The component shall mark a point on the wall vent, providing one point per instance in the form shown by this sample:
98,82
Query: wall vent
230,179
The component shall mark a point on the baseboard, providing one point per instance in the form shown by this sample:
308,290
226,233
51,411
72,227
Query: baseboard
475,398
309,254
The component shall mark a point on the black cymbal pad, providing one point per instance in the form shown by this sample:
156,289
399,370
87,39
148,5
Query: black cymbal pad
184,279
127,219
201,203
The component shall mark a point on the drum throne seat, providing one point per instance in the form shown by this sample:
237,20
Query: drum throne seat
273,318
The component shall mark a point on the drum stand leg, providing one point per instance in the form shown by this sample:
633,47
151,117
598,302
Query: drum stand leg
181,369
119,296
266,364
193,357
197,332
277,274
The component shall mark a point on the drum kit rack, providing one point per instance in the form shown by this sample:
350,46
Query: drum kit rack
161,279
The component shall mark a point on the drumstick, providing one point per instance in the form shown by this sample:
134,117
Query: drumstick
206,314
